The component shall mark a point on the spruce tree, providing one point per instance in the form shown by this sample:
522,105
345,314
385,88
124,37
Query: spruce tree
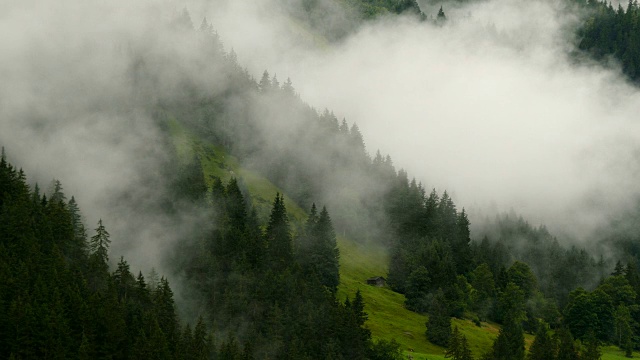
566,346
542,348
265,82
509,344
439,323
592,351
278,236
99,245
454,349
324,252
465,350
99,258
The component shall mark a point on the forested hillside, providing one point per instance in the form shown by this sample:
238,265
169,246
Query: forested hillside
264,185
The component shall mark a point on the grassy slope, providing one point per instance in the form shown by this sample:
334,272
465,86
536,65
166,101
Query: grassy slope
388,319
614,353
215,162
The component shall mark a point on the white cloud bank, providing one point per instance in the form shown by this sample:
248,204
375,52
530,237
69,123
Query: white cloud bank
490,106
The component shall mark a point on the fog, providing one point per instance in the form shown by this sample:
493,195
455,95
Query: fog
491,106
69,110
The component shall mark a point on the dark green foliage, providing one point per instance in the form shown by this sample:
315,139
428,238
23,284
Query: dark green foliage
191,184
509,344
483,284
520,275
278,236
458,348
57,297
613,32
385,350
557,270
566,346
543,347
439,323
318,250
269,303
417,290
592,350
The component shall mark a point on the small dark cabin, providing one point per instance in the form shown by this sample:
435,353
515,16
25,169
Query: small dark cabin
376,281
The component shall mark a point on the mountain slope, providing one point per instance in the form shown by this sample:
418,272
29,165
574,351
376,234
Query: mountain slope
387,317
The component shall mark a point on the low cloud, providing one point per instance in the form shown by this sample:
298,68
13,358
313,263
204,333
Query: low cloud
491,106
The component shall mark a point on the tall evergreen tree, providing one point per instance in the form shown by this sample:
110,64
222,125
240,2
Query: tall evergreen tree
566,345
439,323
324,252
278,236
542,348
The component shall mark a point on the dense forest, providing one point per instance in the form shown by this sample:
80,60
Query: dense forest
266,285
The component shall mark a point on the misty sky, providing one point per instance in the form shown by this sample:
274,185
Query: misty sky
489,107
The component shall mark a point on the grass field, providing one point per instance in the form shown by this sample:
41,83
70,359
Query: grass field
388,319
614,353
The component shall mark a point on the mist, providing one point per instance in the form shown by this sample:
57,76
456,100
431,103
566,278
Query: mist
71,108
493,106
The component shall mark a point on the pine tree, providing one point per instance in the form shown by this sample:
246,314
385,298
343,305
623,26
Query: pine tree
99,245
465,350
417,288
592,351
441,16
79,245
509,344
460,246
439,323
287,87
454,349
357,308
278,236
566,346
542,348
324,252
165,313
99,258
123,279
265,82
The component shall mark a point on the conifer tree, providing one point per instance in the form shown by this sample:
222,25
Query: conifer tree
80,244
441,16
542,348
265,82
324,252
165,312
99,245
287,87
509,344
592,351
566,346
439,323
455,345
465,350
99,258
278,236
